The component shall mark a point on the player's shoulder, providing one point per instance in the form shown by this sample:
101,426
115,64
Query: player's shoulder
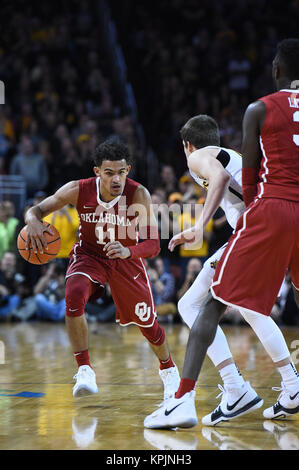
138,191
133,189
130,183
228,151
277,95
87,181
219,153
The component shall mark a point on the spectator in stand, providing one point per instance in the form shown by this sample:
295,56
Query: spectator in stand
7,137
168,179
49,294
165,226
103,310
10,281
188,219
163,286
193,269
31,166
239,69
288,312
186,186
8,227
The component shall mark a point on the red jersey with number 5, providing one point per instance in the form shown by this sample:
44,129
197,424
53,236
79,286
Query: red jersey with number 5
279,141
102,222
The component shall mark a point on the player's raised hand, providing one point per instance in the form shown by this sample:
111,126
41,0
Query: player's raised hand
188,236
116,250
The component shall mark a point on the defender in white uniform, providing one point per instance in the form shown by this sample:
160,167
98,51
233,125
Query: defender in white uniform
219,170
232,205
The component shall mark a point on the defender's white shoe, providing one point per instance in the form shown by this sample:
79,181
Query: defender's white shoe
85,382
286,405
171,381
174,412
234,403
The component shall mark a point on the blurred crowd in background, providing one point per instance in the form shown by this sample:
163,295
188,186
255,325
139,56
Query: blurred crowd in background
191,58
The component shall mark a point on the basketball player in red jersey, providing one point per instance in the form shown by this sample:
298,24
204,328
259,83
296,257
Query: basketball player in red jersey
112,208
265,244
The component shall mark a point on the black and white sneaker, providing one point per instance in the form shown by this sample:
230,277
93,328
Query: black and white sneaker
234,403
174,412
286,405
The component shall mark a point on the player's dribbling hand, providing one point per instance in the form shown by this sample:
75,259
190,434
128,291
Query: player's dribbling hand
116,250
35,236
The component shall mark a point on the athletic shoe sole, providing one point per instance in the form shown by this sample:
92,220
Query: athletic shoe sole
253,405
186,424
82,391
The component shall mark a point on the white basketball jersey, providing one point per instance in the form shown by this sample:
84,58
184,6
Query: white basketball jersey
232,202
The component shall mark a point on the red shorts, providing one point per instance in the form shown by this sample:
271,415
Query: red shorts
128,280
254,263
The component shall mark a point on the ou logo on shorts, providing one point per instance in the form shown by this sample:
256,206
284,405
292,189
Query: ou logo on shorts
142,311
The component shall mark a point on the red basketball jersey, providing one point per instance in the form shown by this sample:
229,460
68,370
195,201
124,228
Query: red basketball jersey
102,222
279,140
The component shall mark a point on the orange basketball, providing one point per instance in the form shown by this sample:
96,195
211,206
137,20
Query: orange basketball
54,243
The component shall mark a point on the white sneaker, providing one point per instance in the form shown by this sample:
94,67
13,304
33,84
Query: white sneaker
85,382
286,405
168,440
174,412
234,403
171,381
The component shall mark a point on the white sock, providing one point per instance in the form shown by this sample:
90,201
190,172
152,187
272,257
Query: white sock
289,376
231,377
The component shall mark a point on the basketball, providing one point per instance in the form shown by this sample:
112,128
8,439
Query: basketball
53,241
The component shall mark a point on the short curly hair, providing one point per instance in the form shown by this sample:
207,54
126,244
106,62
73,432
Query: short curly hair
112,149
288,55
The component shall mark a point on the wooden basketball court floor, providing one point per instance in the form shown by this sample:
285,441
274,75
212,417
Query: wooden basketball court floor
38,412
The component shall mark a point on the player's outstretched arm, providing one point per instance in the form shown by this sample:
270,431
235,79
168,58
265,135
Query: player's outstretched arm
203,162
251,151
67,194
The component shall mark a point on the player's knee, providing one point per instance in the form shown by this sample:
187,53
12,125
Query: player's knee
154,334
205,325
77,291
181,305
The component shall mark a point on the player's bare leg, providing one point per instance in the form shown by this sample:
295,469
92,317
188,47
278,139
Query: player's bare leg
168,371
77,329
77,293
162,352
